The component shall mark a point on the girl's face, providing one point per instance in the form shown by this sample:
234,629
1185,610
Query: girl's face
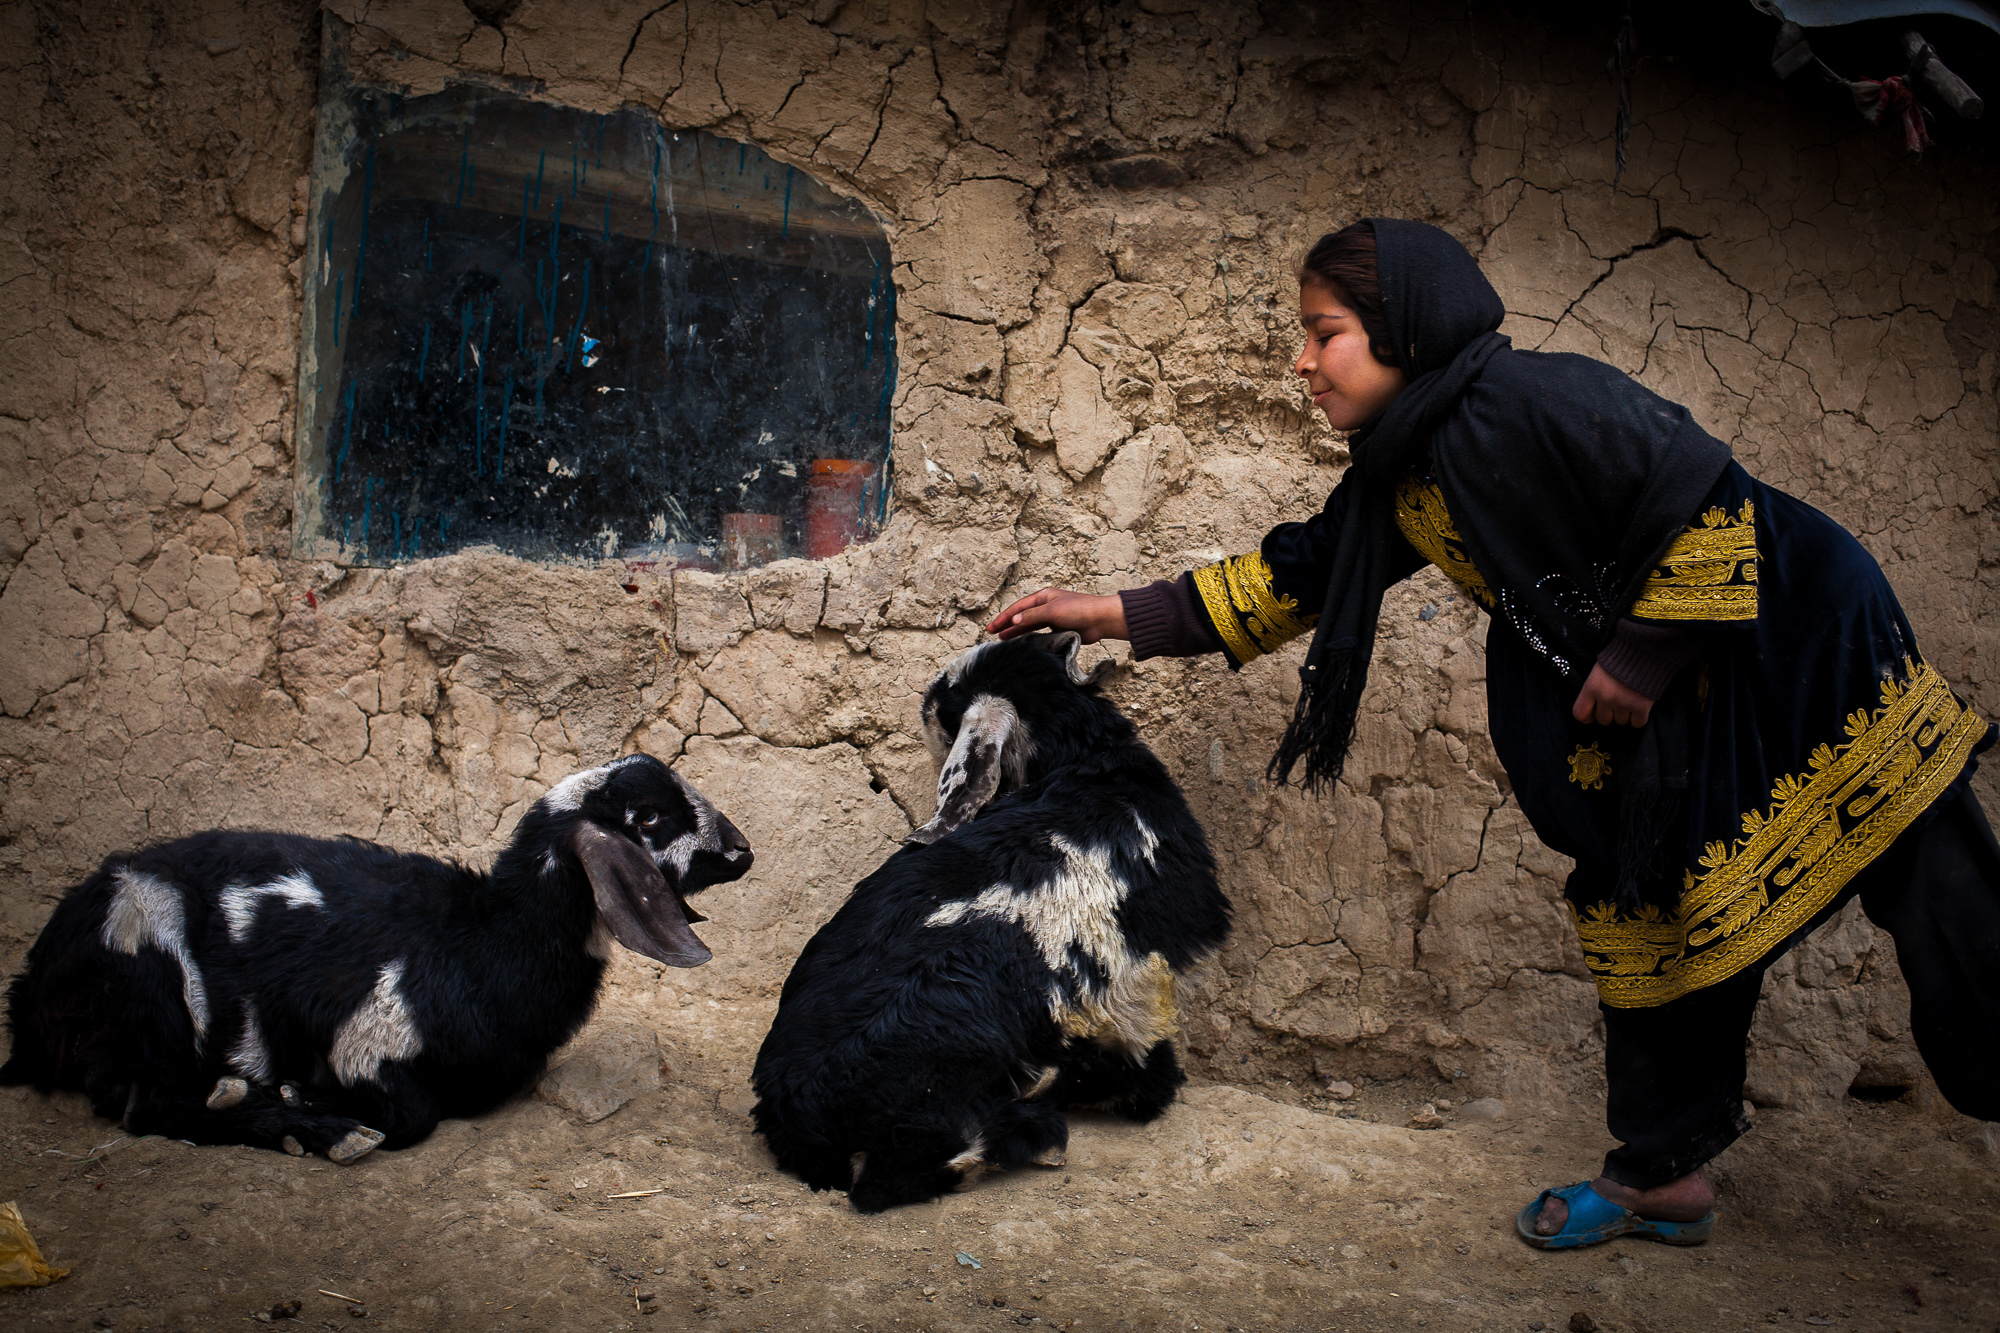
1344,378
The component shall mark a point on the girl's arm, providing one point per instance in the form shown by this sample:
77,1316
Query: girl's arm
1058,608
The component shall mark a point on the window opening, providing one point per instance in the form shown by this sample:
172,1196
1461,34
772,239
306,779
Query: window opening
578,335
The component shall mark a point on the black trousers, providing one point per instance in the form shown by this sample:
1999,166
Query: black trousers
1676,1071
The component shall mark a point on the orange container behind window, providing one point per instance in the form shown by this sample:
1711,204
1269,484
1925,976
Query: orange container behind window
838,493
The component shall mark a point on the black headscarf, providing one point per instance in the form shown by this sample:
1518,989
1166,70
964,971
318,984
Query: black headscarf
1565,479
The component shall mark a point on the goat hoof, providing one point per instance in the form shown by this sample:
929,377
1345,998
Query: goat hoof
288,1094
228,1092
355,1144
1049,1157
292,1146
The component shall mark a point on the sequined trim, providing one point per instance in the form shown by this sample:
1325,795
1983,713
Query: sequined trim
1709,573
1821,829
1589,766
1251,617
1426,524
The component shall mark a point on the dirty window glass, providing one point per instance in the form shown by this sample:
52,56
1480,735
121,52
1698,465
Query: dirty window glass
580,336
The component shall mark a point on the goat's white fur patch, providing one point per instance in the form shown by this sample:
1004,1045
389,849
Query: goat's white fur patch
380,1029
971,1164
568,794
239,901
1077,908
598,944
249,1056
955,669
146,910
704,837
1043,1082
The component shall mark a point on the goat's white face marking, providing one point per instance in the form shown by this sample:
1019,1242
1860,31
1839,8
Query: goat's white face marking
249,1056
704,837
146,910
568,794
955,669
380,1029
239,901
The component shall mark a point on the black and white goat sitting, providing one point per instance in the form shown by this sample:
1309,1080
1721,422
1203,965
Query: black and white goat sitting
1019,959
332,995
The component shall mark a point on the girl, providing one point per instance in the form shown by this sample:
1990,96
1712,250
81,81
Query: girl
1703,691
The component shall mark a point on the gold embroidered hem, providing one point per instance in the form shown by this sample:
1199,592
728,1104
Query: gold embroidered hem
1709,573
1426,524
1248,614
1822,828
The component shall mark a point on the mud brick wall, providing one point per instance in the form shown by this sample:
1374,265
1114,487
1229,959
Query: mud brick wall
1095,213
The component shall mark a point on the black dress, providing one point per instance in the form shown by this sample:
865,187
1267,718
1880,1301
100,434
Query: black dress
1821,748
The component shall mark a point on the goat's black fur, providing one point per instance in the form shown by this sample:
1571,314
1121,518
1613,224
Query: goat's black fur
254,987
971,990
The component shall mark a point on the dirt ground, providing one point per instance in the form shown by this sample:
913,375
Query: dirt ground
1243,1208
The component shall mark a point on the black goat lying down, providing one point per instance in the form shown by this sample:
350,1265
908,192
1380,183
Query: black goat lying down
1018,960
332,995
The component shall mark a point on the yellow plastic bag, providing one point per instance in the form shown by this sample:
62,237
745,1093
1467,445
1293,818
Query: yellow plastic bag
21,1263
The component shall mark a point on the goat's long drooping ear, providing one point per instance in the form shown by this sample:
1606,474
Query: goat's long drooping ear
972,771
634,899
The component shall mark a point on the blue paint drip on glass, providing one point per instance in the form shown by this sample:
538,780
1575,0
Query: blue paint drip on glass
506,417
786,229
521,246
652,202
464,168
346,435
479,396
582,309
361,249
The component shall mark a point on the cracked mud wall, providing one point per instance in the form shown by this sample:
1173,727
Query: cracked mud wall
1095,212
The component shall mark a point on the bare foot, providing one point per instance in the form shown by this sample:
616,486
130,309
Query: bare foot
1688,1199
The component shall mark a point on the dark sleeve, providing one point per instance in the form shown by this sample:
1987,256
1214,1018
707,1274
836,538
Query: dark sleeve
1164,619
1257,602
1646,657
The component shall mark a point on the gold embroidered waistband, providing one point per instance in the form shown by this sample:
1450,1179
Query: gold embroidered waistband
1821,829
1251,617
1709,573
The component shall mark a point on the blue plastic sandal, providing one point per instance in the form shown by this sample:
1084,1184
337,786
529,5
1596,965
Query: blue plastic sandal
1594,1219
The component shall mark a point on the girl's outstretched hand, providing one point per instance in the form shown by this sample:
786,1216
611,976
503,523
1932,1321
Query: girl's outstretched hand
1058,608
1606,700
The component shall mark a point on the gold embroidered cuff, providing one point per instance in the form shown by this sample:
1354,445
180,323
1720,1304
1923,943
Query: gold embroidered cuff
1709,573
1250,616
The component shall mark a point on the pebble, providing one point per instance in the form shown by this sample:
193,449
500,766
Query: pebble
1340,1091
1483,1108
1426,1117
